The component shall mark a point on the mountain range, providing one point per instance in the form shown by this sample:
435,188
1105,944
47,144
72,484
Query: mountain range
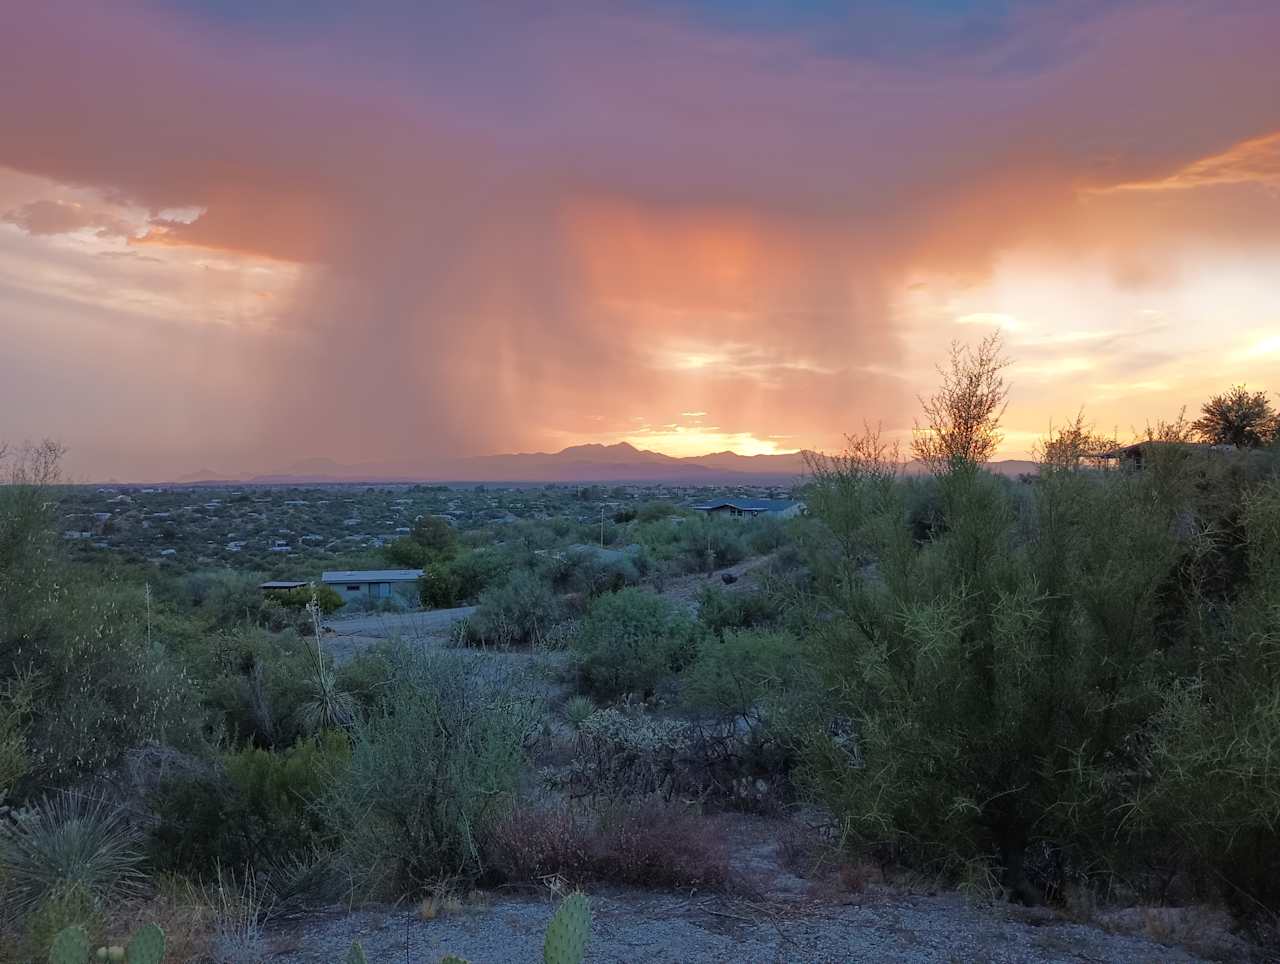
620,462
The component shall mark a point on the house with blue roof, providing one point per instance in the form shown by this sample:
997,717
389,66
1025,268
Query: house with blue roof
740,508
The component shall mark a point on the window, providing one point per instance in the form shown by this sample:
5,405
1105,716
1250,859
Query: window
353,589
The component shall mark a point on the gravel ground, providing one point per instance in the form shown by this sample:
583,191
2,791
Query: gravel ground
635,926
348,635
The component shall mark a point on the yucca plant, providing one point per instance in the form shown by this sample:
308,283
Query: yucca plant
578,709
329,706
68,842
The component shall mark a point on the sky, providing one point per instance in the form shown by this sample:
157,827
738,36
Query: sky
235,235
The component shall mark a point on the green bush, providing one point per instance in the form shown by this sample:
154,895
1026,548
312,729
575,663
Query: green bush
256,806
719,610
736,673
629,641
462,579
520,612
1216,740
999,682
326,597
429,775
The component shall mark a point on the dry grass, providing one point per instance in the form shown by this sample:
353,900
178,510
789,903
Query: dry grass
647,844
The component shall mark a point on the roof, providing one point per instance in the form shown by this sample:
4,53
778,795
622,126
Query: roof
371,575
1136,448
748,505
281,584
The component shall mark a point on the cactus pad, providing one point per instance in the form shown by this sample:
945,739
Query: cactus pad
147,946
71,946
356,955
568,932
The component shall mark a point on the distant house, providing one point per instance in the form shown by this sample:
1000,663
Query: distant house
1139,453
371,583
751,508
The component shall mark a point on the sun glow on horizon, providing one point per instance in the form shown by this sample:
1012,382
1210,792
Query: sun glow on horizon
682,441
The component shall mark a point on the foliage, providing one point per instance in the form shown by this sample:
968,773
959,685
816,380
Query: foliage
97,684
257,806
1238,417
326,597
962,419
67,842
733,674
577,710
520,612
629,641
643,842
429,775
999,685
463,578
1214,743
720,611
327,705
15,705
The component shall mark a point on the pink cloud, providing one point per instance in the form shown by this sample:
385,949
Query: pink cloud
507,219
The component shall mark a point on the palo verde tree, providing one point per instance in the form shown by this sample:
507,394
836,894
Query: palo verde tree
996,675
1238,417
962,419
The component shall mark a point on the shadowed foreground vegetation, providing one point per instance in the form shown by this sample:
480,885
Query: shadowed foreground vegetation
1060,689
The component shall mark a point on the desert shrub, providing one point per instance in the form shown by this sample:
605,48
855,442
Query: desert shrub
625,752
99,683
429,775
326,597
994,685
255,685
720,610
766,534
462,578
369,675
1216,738
587,573
68,848
223,598
257,805
520,612
735,673
100,687
645,843
655,510
629,641
707,543
15,704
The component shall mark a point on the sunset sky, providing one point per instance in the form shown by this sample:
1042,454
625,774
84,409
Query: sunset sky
239,233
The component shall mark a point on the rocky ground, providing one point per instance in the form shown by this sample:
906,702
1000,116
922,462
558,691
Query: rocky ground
770,915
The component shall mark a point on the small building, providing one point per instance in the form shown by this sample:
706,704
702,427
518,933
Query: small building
1138,454
751,508
371,583
280,585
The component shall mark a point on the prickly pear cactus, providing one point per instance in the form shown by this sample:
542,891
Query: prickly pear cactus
453,959
70,946
147,946
356,955
568,931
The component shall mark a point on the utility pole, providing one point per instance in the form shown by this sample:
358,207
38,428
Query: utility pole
601,525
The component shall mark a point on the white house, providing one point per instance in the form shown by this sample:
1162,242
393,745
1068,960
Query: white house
371,583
